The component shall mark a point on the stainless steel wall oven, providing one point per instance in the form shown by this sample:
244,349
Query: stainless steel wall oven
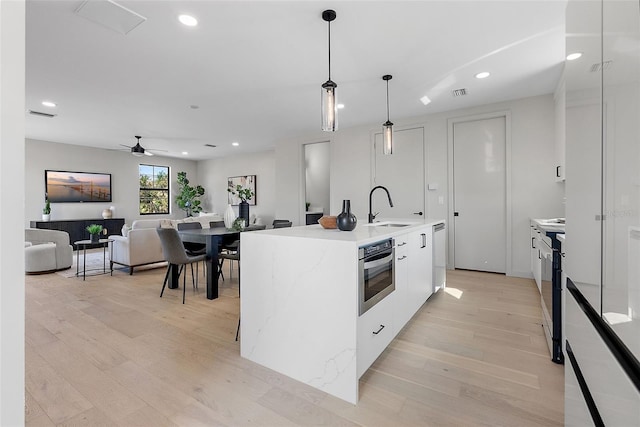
376,264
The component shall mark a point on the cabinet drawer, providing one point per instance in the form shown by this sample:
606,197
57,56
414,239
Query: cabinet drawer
375,332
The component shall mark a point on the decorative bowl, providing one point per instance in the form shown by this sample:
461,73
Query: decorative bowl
328,222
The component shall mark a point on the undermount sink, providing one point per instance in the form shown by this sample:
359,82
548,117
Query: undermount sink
386,224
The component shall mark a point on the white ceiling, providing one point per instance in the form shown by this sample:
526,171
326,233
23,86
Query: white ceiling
255,68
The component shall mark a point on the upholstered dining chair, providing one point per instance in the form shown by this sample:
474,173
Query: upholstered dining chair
279,223
175,253
216,224
194,249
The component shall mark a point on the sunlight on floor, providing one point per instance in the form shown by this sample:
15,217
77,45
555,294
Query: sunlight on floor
456,293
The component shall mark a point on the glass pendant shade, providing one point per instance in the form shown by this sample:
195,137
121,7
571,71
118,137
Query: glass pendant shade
329,107
387,138
387,127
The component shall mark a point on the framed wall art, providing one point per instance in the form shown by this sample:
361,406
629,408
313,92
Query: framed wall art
246,181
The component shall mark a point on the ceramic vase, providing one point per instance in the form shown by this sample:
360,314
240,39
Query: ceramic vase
106,214
95,238
229,217
243,209
346,220
46,217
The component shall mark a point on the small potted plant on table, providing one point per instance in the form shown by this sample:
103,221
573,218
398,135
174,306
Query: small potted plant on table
94,230
46,211
243,194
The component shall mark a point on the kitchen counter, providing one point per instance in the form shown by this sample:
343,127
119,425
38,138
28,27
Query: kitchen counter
363,233
553,225
299,300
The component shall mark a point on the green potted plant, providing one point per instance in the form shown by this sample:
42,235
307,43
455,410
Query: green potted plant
46,211
188,198
243,194
94,230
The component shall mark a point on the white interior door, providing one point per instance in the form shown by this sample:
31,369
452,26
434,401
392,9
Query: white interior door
479,189
402,173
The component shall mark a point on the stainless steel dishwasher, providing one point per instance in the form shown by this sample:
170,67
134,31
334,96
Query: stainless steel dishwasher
439,256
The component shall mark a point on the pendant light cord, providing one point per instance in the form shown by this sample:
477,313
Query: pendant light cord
329,22
387,100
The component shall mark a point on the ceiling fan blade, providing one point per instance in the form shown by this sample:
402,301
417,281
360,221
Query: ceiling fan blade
148,153
128,146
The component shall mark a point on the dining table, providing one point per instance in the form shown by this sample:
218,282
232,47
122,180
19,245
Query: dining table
213,238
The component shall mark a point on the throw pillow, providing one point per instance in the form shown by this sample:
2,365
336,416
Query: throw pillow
166,223
125,230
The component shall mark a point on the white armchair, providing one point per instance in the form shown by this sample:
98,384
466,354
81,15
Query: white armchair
46,250
141,245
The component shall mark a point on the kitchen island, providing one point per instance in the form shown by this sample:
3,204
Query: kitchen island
299,299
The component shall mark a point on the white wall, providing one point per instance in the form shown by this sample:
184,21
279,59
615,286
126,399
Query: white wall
534,190
317,177
12,108
122,166
213,174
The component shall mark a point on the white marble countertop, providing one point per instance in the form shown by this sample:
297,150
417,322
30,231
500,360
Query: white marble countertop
549,224
560,237
363,233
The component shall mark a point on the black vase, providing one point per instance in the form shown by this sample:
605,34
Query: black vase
243,209
346,220
95,238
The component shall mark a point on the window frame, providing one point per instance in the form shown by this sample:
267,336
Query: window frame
166,190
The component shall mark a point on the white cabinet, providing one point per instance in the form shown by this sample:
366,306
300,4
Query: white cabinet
375,332
403,308
413,273
420,274
536,262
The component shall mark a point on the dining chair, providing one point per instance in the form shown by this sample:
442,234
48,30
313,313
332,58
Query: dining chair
282,224
278,221
216,224
194,249
175,254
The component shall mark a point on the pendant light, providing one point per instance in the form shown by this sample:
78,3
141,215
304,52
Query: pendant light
329,104
387,127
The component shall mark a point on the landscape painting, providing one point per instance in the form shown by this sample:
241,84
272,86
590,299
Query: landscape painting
69,187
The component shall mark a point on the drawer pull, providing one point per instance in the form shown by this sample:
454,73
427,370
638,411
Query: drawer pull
379,330
402,257
402,244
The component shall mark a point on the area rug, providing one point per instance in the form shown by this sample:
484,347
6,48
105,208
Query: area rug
94,263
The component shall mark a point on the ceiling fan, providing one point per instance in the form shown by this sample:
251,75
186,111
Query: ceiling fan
138,150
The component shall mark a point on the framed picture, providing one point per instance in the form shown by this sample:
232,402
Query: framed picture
246,181
70,187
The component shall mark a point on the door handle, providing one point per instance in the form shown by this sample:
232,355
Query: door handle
532,245
379,330
418,213
424,240
557,171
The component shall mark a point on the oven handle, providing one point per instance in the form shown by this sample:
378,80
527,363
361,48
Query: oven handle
378,262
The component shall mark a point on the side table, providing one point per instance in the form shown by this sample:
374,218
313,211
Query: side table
82,244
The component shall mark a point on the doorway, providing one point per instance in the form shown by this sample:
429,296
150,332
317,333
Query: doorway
317,195
479,210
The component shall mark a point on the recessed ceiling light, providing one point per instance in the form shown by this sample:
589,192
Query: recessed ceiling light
574,56
483,75
184,153
235,144
188,20
340,106
49,104
425,100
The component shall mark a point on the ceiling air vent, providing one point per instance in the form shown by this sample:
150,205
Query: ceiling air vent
459,92
41,114
600,66
210,145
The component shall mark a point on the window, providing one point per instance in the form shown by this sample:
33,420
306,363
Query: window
154,189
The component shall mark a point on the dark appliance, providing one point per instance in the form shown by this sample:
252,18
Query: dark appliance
375,279
551,289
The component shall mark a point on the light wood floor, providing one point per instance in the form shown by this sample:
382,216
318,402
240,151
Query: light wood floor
109,351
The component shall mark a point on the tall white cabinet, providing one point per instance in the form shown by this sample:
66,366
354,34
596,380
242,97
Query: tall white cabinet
602,294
